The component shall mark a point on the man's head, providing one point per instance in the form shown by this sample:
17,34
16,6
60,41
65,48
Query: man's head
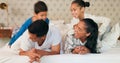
38,30
40,9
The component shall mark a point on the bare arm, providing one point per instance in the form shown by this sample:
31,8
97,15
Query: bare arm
54,50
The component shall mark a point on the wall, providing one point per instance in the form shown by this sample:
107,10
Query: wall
20,10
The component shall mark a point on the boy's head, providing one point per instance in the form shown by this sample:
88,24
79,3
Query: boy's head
38,30
40,10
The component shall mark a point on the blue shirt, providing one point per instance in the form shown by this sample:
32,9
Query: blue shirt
22,30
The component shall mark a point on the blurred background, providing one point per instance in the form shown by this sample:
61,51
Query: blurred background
19,11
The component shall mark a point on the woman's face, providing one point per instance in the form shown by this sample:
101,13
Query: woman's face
41,15
76,10
80,31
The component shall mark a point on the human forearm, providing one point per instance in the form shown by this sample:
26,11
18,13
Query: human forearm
24,53
42,52
31,54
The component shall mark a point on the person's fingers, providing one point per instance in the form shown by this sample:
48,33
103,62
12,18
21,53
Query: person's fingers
82,48
38,59
82,52
32,60
33,50
37,55
77,47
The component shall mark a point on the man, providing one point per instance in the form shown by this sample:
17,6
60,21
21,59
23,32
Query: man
38,40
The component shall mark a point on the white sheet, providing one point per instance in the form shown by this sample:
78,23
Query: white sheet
7,55
90,58
111,56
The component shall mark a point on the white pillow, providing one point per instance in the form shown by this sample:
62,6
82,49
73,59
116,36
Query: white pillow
110,39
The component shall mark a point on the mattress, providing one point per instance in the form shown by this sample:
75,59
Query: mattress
110,56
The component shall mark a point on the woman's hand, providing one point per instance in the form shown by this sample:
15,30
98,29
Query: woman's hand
76,50
84,50
81,50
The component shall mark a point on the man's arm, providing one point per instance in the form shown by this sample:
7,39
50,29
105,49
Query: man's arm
31,54
54,50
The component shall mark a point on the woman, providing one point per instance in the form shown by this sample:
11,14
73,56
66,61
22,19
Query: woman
84,38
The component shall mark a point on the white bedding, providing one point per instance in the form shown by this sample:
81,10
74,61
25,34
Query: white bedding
89,58
9,56
111,56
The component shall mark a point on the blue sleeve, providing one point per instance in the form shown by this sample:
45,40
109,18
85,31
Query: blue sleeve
47,21
21,31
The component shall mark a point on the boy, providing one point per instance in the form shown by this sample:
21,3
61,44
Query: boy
40,12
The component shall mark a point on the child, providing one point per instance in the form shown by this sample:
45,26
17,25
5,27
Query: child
40,12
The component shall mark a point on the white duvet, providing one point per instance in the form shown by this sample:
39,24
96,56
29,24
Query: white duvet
111,56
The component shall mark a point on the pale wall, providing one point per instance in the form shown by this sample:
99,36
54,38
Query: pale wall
20,10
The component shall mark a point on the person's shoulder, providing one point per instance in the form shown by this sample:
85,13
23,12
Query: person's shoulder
90,16
25,34
47,20
53,27
70,33
53,31
29,20
74,19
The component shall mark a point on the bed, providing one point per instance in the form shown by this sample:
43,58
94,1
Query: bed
112,55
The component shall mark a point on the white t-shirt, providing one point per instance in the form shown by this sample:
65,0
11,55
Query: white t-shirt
102,22
53,38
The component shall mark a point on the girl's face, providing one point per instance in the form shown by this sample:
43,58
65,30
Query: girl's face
41,15
80,31
75,9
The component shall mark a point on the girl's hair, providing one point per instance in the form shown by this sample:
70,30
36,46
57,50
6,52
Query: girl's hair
81,3
39,27
92,28
40,6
